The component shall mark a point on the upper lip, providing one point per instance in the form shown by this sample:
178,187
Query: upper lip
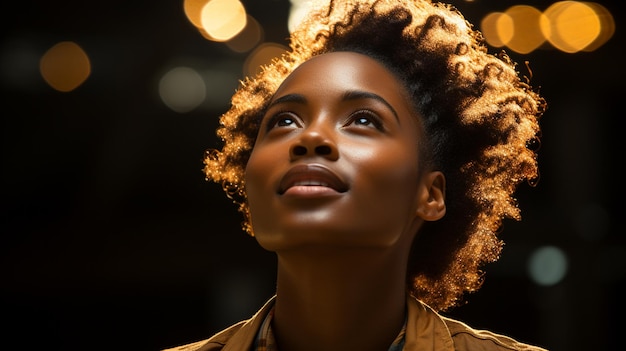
312,175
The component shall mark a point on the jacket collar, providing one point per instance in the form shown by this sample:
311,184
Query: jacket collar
244,338
426,330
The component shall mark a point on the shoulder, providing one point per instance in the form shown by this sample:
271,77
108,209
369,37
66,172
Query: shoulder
466,338
214,343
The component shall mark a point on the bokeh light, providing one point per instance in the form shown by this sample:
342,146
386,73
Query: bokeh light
65,66
527,35
223,19
193,11
182,89
547,265
569,26
216,20
262,55
498,28
248,38
607,26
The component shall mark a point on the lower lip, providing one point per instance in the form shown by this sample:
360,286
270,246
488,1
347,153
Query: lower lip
310,191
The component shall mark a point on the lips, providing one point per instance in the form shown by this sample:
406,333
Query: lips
311,175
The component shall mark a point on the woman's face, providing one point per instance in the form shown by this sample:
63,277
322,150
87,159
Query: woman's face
336,158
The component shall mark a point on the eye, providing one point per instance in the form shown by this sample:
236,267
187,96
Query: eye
282,120
365,118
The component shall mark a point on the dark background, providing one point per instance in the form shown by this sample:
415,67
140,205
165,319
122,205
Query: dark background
111,237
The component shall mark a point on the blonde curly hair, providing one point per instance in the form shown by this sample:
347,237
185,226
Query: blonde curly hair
480,118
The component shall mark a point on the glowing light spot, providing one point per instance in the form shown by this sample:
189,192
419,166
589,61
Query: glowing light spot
223,19
607,26
182,89
547,265
497,28
193,11
572,26
261,56
527,35
569,26
248,38
65,66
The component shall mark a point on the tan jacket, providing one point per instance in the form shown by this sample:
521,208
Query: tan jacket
426,330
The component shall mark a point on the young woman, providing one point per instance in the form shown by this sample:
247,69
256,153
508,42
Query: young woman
377,159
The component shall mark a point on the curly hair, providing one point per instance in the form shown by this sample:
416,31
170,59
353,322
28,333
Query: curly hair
481,120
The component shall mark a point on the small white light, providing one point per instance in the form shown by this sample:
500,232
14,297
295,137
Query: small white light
547,265
182,89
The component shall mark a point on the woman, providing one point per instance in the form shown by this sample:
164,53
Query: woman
377,159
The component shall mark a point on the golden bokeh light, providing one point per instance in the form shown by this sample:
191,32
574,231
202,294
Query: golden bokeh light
193,11
527,35
248,38
223,19
497,28
569,26
65,66
607,26
262,55
573,26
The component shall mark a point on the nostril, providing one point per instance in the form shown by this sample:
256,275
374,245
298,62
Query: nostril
299,150
323,150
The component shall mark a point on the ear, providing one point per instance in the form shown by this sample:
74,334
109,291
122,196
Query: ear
432,197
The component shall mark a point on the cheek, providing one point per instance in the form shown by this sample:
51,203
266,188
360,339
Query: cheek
262,161
388,182
261,180
256,176
389,167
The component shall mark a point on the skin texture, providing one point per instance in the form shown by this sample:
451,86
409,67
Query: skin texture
336,188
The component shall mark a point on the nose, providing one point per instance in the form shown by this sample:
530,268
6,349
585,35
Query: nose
313,143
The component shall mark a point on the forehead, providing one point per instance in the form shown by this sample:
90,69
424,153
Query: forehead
344,71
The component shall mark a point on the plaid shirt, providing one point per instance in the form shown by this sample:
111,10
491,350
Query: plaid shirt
265,337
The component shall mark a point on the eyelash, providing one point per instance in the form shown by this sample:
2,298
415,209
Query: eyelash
370,116
277,117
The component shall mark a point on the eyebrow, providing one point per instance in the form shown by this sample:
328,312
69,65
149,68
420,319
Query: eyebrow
358,95
297,98
347,96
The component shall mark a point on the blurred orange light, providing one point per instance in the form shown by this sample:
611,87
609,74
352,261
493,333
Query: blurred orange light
497,28
65,66
261,56
527,35
571,25
193,11
223,19
607,26
248,38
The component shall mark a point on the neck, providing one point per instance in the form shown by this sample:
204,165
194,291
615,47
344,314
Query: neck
339,299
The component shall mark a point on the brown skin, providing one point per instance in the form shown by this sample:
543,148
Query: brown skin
336,189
